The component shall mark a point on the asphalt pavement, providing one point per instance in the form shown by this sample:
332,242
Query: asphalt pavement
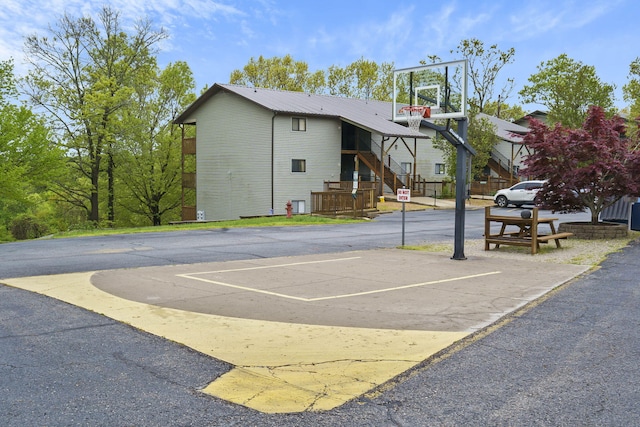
93,253
567,358
308,333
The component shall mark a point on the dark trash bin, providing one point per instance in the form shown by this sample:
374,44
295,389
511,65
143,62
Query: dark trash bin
635,217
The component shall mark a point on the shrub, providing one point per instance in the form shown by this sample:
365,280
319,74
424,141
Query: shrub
27,227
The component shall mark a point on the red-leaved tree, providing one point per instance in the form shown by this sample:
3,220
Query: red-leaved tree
589,168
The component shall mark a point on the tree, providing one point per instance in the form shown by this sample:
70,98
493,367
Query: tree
366,77
484,66
361,79
588,168
151,143
383,91
340,81
568,88
504,111
30,159
632,89
82,76
481,135
315,82
277,73
370,80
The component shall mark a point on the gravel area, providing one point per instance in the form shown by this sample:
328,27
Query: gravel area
573,251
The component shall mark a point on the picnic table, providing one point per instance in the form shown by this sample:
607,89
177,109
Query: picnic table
523,230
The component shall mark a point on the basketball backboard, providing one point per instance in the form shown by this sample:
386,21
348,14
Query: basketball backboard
442,87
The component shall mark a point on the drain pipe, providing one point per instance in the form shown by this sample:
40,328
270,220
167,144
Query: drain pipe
273,119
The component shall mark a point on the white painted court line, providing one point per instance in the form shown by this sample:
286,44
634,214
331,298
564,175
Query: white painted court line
259,291
277,294
271,266
397,288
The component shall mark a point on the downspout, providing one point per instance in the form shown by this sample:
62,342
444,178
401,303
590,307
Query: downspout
415,160
182,166
382,164
273,119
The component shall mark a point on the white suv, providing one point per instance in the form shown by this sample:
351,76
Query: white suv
523,193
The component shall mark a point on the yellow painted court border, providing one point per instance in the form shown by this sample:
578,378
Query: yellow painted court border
278,367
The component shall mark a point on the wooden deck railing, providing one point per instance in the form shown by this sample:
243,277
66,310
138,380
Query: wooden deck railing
342,202
491,185
348,185
188,146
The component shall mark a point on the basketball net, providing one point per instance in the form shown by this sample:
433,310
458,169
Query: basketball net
415,114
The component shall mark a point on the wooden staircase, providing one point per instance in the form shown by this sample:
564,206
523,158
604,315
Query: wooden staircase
499,168
391,179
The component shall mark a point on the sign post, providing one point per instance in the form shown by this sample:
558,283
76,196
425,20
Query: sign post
404,196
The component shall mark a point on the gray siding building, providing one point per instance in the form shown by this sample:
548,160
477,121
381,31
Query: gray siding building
256,149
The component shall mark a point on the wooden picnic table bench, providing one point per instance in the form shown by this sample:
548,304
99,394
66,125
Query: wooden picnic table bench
527,233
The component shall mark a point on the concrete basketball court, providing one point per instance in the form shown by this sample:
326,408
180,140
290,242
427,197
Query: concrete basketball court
311,332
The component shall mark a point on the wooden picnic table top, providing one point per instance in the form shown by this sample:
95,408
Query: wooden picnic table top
517,220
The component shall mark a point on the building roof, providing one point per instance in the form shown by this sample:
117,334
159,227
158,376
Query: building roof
374,116
537,114
505,130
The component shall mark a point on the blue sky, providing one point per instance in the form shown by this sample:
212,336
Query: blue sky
216,37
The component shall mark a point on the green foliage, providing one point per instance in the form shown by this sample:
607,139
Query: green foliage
417,79
568,88
83,75
484,66
362,79
631,90
268,221
448,155
8,89
504,111
26,227
448,187
36,218
482,137
151,144
276,73
30,159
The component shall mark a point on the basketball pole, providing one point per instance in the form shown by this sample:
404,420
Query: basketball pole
464,151
427,78
461,189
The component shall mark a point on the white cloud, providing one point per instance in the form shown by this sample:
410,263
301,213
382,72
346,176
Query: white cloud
539,18
21,18
389,38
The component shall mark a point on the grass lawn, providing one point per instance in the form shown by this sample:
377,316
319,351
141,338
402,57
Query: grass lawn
267,221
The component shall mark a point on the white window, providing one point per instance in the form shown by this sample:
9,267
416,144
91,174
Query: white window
299,124
298,206
298,165
439,168
406,167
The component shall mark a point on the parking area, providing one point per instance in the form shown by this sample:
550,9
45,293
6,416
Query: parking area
311,332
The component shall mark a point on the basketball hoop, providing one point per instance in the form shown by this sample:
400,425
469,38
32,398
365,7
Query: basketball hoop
415,114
